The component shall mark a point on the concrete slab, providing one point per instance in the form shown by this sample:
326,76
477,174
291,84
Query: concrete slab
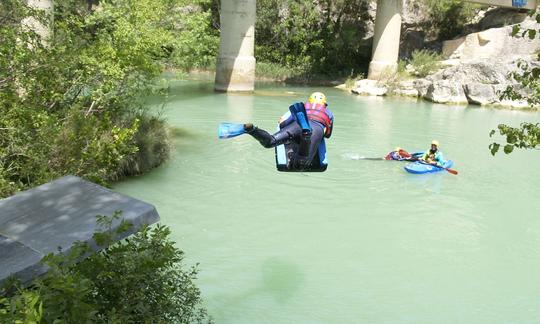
14,255
54,216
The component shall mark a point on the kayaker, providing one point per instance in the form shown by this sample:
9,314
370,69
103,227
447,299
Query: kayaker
433,155
399,154
306,125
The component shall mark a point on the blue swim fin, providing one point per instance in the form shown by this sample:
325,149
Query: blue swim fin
228,130
299,112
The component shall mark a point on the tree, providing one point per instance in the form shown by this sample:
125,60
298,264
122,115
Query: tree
527,136
314,37
75,104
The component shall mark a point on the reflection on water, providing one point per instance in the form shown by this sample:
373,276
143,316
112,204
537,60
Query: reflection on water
364,241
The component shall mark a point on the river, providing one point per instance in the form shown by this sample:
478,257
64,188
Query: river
363,242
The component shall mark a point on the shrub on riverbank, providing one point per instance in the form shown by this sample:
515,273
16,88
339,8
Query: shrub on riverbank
321,37
196,41
527,135
139,280
275,71
424,62
73,103
446,19
152,141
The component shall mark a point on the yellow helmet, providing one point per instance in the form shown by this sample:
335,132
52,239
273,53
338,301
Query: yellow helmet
435,142
317,98
397,149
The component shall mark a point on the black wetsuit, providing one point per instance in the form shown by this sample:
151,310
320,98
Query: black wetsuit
307,143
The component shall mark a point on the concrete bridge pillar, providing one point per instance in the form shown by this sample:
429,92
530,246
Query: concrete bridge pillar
235,69
386,38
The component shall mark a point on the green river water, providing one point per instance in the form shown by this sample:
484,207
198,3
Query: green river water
363,242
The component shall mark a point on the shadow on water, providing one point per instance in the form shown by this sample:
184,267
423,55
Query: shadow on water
280,280
183,90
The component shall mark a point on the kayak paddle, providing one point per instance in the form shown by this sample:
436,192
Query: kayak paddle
228,130
411,159
454,172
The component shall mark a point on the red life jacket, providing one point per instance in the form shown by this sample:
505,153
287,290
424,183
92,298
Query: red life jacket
398,156
317,112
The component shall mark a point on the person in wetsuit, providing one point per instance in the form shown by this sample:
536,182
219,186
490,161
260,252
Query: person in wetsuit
399,154
433,155
306,132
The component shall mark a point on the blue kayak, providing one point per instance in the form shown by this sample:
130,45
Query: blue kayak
419,167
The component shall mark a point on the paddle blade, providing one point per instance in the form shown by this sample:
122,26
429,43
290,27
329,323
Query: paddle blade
452,171
228,130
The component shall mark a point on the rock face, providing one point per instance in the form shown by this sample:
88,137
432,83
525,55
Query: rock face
500,17
494,43
481,94
411,40
369,88
406,88
478,68
446,91
469,82
480,83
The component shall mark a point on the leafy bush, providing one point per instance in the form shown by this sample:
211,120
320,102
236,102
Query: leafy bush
527,136
424,62
152,142
447,18
196,41
527,75
74,104
351,80
279,72
321,37
138,280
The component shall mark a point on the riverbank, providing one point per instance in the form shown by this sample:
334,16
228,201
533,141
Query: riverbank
404,89
278,74
490,67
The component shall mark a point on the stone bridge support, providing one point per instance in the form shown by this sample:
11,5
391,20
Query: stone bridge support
235,68
386,39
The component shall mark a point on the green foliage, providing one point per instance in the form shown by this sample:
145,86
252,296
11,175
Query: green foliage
138,280
316,37
24,307
351,80
196,42
95,145
527,136
528,76
447,17
278,72
74,103
152,142
425,62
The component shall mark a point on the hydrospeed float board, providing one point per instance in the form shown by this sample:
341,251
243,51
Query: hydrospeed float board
285,151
